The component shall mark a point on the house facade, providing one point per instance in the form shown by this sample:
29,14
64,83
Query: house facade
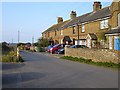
92,29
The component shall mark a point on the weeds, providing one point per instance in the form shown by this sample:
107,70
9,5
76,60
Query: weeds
89,61
11,57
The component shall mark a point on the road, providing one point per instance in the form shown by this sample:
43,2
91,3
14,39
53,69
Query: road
44,71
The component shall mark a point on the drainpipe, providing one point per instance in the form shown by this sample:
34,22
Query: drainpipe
78,29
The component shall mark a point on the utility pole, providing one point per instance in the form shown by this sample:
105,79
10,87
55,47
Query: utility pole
33,43
32,40
18,36
12,40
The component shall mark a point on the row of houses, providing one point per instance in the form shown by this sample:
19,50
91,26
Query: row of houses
101,27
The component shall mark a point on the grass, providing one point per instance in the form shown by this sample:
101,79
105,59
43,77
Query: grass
89,61
11,57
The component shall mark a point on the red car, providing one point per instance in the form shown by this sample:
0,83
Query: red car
55,48
27,47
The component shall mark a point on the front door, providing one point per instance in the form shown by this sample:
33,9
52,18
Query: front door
117,43
89,43
73,41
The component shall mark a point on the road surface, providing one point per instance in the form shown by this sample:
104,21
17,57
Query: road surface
44,71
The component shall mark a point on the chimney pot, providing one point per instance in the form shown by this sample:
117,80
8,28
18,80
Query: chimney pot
97,5
73,14
60,19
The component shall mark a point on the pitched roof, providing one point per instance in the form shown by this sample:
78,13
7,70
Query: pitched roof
66,38
56,26
114,30
93,36
103,13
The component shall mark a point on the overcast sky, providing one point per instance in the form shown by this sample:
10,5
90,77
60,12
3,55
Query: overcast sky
32,18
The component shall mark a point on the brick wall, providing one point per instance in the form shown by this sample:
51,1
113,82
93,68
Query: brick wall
97,55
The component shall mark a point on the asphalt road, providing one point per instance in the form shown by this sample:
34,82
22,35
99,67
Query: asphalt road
44,71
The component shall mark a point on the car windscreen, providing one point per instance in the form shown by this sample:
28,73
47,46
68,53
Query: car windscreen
56,45
72,46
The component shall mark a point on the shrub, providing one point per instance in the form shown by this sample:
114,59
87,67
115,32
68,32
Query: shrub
11,57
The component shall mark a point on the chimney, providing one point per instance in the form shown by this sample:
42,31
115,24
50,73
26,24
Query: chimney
73,14
97,6
60,19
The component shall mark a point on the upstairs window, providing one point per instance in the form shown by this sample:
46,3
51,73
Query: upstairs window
104,24
48,34
74,29
119,19
61,41
44,35
55,33
61,32
83,28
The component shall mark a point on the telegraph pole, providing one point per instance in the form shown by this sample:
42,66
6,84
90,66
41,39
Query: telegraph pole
12,40
18,36
33,43
32,40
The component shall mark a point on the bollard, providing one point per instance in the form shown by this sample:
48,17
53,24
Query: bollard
18,53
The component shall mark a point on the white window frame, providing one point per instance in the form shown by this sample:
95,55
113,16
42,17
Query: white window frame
61,32
83,28
104,24
119,19
61,41
74,29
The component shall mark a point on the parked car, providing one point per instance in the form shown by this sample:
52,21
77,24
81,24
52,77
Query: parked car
78,46
56,48
27,47
61,51
49,47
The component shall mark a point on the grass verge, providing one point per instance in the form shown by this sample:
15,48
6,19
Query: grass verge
11,57
89,61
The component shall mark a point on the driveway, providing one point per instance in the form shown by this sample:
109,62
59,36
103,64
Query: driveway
45,71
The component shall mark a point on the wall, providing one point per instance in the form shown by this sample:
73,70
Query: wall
97,55
115,9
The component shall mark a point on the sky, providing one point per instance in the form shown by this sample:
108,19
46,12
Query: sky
32,18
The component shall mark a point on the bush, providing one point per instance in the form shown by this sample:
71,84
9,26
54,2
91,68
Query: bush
11,57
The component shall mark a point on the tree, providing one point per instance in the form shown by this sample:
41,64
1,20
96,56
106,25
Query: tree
19,44
35,44
43,42
5,47
4,43
102,36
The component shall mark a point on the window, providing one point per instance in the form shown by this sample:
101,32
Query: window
44,35
83,28
119,19
104,24
61,41
55,33
61,32
48,34
74,28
